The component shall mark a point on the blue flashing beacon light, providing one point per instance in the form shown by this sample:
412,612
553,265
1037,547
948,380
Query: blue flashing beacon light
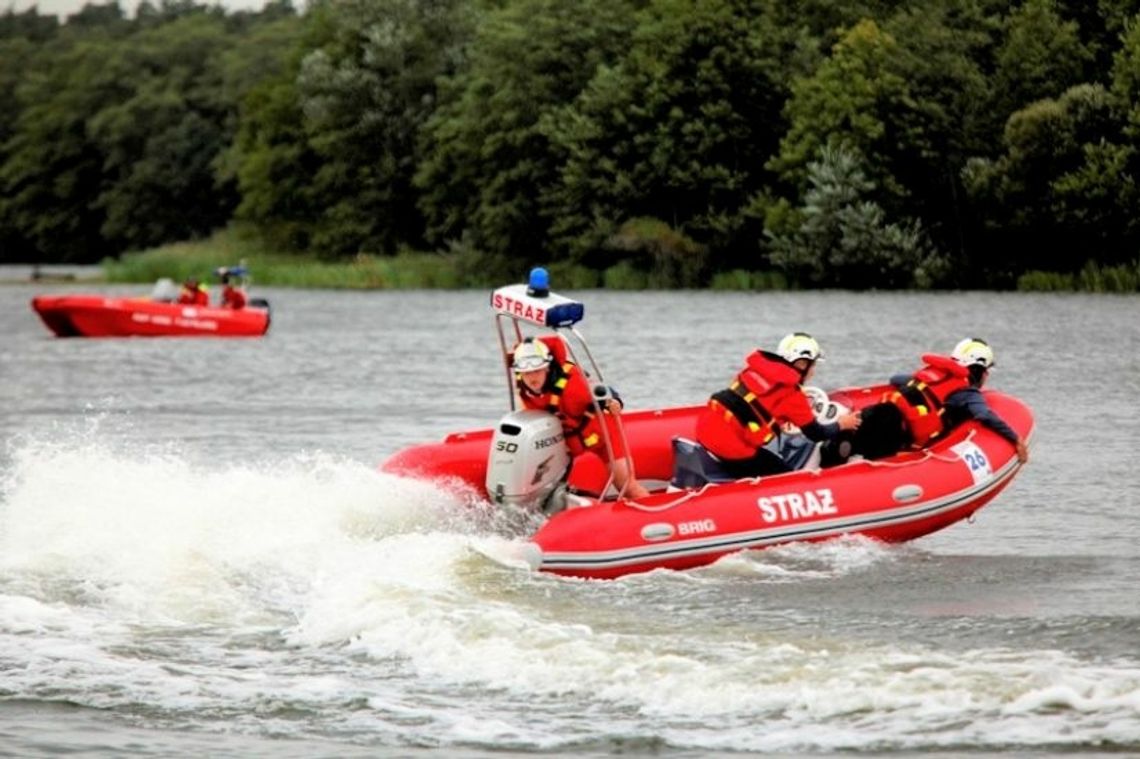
539,284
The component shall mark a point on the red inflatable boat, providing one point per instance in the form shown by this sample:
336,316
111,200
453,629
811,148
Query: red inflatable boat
99,316
691,520
159,315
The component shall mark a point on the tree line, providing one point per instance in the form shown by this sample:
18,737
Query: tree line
850,143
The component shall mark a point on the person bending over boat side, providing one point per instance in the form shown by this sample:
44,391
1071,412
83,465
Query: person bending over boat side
560,387
232,297
925,405
193,294
741,420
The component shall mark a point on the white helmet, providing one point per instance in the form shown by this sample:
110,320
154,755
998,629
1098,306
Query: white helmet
798,345
973,352
531,355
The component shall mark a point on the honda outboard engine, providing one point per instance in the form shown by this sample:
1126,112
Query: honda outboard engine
165,291
528,462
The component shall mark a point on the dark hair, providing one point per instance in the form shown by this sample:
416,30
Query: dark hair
977,373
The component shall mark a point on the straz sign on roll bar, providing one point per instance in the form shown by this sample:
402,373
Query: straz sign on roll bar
548,311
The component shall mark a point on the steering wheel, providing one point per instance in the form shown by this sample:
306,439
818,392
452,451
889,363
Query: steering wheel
819,401
825,409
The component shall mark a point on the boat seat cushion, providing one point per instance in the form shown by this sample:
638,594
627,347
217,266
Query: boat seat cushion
796,451
693,466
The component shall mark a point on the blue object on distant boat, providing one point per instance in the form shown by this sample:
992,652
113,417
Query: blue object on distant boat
539,284
231,271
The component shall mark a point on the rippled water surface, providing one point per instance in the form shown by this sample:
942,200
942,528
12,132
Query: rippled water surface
198,554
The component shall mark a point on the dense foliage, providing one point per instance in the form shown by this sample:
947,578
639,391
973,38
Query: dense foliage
868,144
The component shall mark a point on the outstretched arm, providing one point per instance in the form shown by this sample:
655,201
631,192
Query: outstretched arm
974,404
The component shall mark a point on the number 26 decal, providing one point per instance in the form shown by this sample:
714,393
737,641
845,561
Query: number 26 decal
975,460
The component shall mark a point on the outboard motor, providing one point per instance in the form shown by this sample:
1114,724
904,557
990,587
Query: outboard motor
165,291
529,462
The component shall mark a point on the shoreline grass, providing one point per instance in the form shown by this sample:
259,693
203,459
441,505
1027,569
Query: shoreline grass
1092,278
200,258
410,270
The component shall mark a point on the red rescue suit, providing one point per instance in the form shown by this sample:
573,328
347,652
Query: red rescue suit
196,296
741,419
922,399
233,297
567,395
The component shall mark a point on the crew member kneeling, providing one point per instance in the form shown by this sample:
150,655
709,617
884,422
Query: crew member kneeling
926,405
740,420
560,387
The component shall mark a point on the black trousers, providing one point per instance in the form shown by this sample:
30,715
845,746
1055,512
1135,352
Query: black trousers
764,462
882,433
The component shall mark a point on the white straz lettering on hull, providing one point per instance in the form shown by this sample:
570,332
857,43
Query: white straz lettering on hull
787,506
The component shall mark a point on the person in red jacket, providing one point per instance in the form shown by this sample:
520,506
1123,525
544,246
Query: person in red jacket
557,385
232,297
741,420
926,405
193,294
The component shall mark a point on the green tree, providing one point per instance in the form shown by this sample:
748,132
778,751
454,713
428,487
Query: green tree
364,94
943,53
489,160
269,159
18,53
98,15
1125,76
1060,194
160,141
51,170
850,102
912,100
118,132
273,163
28,25
1041,56
678,130
1100,25
845,240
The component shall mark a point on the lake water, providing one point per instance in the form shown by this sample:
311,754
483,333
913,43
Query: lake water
199,556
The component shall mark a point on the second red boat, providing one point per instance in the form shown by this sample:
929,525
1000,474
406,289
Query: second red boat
99,316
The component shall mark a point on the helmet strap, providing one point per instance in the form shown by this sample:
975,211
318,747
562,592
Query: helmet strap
524,388
553,374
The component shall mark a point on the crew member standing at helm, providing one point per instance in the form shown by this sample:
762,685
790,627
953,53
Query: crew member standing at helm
232,296
767,393
557,385
926,405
